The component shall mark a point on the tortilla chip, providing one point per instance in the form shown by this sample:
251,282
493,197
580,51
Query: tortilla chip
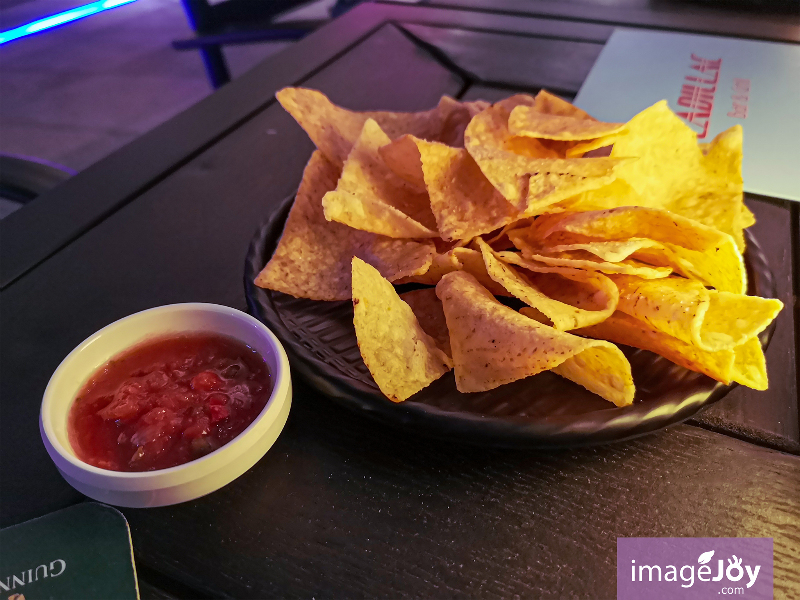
550,104
673,172
627,330
570,298
334,130
689,247
464,202
528,174
617,193
402,157
686,310
429,312
577,259
457,259
402,358
493,344
313,256
608,251
529,122
370,197
750,365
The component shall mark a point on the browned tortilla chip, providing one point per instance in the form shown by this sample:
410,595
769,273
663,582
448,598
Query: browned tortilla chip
627,330
457,259
334,130
402,157
525,172
464,202
370,197
493,344
689,247
549,104
570,298
402,358
429,312
313,257
686,310
529,122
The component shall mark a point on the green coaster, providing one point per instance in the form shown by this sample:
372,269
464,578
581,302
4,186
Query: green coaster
80,552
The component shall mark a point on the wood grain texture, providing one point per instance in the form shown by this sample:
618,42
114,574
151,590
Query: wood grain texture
676,16
560,64
769,417
341,507
184,240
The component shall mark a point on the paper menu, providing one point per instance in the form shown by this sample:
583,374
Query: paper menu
712,83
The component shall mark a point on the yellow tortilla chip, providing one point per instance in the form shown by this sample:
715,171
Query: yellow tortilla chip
570,298
313,256
689,247
686,310
528,174
617,193
627,330
334,130
529,122
750,365
370,197
493,344
673,172
608,251
429,312
401,357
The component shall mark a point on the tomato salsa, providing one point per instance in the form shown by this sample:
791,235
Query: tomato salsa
168,401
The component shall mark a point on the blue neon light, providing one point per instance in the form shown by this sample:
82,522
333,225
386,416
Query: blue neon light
59,19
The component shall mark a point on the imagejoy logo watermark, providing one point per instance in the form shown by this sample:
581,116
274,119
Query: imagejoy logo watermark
688,568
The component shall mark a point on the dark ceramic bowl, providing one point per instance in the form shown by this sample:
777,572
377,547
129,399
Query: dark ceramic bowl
543,411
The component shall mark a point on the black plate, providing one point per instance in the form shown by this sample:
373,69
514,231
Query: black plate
544,411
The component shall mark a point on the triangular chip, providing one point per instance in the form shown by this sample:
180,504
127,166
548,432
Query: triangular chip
464,202
750,365
429,312
673,172
529,122
525,172
457,259
691,248
686,310
401,357
570,298
313,256
550,104
370,197
578,259
494,344
402,157
334,129
630,331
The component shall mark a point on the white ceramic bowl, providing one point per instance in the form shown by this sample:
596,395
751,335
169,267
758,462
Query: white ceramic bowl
187,481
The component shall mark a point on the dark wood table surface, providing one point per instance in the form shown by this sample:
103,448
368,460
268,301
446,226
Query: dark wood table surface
341,506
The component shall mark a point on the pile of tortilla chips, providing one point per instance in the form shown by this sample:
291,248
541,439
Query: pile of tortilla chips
628,233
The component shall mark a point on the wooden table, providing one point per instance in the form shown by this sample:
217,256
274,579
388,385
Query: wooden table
342,507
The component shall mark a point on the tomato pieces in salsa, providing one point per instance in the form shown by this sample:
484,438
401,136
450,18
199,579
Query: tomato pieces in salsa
168,401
